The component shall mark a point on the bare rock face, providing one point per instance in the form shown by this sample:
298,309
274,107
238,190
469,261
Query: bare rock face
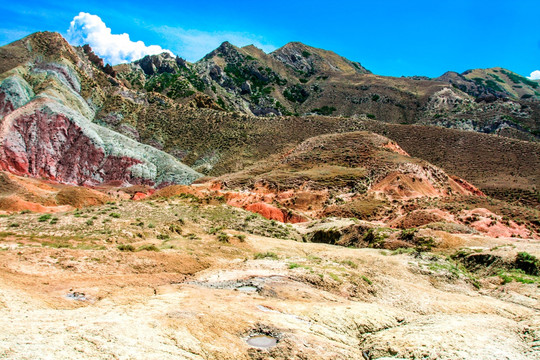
310,60
45,139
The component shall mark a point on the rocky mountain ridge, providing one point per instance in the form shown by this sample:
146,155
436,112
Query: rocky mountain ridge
300,80
202,113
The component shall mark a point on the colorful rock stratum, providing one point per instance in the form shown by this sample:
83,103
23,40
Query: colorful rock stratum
47,130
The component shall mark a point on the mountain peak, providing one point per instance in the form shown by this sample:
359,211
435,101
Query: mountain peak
226,49
45,45
310,60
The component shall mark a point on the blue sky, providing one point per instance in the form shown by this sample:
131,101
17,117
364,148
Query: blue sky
390,38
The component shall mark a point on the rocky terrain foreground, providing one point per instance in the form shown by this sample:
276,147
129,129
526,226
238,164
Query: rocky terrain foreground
178,275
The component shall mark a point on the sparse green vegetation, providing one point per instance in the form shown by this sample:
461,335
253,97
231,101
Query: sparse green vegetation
125,247
366,279
516,79
528,263
44,217
222,237
149,247
325,110
266,255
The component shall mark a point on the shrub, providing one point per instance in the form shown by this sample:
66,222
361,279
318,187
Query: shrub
325,110
222,237
114,215
149,247
266,255
125,247
408,234
374,238
528,263
296,93
163,237
44,217
241,237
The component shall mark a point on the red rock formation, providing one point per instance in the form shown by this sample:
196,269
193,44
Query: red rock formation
273,213
139,196
41,144
468,186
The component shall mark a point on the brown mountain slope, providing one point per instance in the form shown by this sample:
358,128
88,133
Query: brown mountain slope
307,60
501,167
357,162
217,142
301,80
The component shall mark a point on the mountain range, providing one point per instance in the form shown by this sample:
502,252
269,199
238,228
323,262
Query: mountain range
143,122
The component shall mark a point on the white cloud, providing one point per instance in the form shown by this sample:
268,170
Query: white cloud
113,48
535,75
194,44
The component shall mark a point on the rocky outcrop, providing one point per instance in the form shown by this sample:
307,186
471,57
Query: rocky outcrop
310,61
46,127
46,139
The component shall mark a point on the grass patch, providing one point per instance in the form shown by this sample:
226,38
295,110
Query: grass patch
149,247
517,275
44,217
350,263
125,247
334,277
266,255
222,237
